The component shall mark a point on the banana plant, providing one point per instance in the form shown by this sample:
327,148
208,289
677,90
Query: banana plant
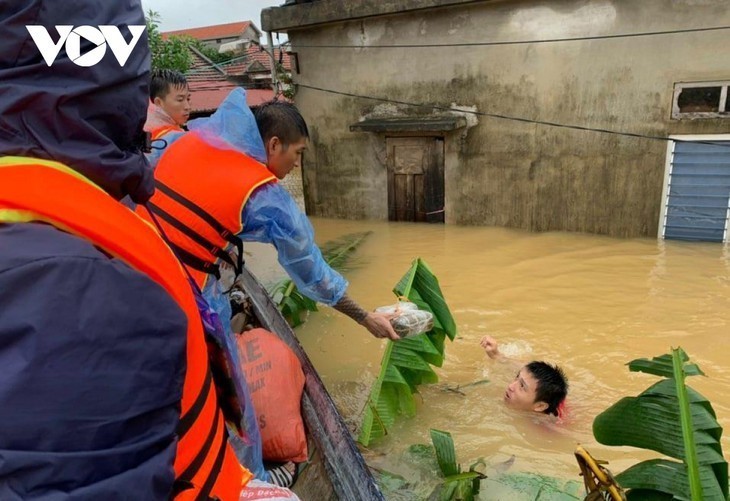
456,485
676,421
291,302
407,363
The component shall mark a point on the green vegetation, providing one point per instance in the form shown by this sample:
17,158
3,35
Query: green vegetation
173,53
210,52
456,485
407,362
672,419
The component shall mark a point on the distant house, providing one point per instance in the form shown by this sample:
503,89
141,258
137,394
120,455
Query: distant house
253,67
210,84
232,35
250,66
500,92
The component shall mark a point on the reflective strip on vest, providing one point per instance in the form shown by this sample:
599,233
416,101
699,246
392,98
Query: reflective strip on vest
36,190
218,181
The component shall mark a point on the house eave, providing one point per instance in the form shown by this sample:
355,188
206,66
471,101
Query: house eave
305,15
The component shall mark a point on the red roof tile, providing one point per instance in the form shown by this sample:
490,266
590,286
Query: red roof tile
209,86
208,97
203,69
255,53
212,32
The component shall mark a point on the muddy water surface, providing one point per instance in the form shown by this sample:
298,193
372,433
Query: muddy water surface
589,303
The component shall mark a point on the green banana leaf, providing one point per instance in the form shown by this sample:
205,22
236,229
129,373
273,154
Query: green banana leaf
664,366
407,363
443,444
291,302
457,485
674,420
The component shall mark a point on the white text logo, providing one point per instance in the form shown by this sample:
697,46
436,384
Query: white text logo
101,37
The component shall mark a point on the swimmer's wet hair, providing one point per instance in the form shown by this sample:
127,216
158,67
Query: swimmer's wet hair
552,385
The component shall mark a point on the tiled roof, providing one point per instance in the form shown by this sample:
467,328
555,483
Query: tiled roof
203,69
255,53
209,86
213,32
209,98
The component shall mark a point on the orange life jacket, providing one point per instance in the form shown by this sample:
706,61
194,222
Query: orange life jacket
37,190
158,132
201,191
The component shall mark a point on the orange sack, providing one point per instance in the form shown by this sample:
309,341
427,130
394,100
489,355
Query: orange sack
276,381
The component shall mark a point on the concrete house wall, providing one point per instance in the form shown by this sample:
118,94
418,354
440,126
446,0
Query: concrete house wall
497,171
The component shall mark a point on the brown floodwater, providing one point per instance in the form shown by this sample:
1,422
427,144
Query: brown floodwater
589,303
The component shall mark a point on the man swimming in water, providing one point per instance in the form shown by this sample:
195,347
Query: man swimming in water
537,387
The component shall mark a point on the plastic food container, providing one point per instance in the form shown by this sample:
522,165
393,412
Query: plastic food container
409,320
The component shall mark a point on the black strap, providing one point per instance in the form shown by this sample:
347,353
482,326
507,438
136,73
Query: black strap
187,420
194,236
205,216
189,474
194,261
185,480
204,494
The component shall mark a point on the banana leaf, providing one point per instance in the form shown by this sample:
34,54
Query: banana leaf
669,477
664,366
445,452
457,485
407,363
672,419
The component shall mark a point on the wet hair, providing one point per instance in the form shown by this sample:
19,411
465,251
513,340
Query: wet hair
280,119
162,80
552,385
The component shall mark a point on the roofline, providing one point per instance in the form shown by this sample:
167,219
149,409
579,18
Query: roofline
183,31
211,63
305,15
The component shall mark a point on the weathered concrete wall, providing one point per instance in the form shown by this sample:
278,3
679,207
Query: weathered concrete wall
502,172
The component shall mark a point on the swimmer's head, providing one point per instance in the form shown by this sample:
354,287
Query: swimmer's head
537,387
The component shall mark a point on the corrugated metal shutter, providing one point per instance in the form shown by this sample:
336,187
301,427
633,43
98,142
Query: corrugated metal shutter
698,192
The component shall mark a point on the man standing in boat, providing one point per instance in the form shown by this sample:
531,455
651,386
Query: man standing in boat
217,186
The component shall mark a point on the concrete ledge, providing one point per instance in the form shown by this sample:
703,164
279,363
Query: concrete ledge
410,124
302,15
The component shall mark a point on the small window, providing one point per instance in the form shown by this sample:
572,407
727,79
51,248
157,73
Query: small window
218,40
701,100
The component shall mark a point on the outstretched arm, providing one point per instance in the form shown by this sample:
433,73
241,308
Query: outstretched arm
377,323
272,216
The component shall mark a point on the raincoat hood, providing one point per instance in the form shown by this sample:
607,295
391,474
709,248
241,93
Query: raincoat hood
232,127
89,118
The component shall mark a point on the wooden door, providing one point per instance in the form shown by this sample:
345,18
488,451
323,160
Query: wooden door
415,179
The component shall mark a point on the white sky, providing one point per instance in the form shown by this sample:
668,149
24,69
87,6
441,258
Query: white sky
179,14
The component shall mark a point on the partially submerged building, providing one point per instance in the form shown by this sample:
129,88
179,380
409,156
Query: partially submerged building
519,113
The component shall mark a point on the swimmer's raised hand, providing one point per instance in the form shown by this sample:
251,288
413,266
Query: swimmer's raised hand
490,346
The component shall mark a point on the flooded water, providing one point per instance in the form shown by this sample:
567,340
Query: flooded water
589,303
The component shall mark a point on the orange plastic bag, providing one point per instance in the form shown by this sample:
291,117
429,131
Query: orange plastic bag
276,381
